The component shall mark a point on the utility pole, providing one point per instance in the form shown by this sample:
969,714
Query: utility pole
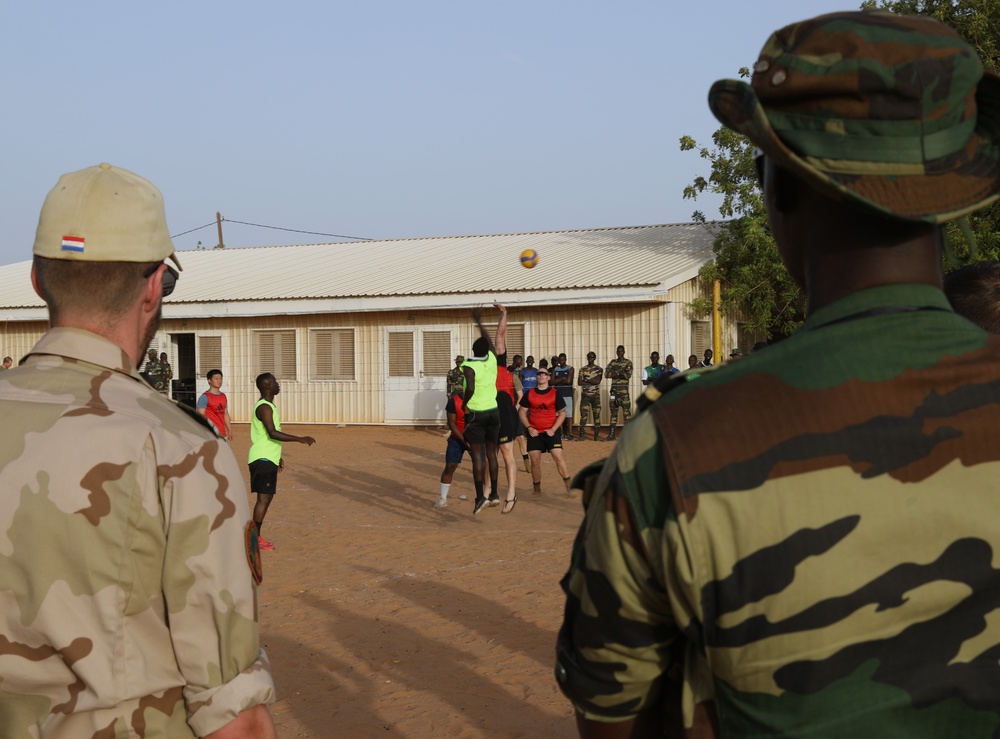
218,222
716,322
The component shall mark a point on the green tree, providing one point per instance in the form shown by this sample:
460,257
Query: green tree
752,275
754,280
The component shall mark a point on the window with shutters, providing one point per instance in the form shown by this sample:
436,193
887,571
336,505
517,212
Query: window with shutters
746,338
209,354
701,337
401,363
332,354
515,340
275,352
437,356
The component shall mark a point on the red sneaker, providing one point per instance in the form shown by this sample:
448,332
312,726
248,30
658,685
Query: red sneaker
264,544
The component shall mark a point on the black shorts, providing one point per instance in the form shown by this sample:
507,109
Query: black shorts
263,476
510,424
544,442
482,426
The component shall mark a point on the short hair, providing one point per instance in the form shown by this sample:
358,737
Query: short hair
212,373
261,379
480,347
974,292
67,286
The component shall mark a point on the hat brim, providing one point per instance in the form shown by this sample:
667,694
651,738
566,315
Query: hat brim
965,183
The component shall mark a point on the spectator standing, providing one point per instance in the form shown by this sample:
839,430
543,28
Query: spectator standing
589,380
214,405
562,377
619,371
653,370
456,378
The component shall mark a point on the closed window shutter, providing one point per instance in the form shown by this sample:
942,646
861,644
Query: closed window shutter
323,353
701,337
437,353
288,365
515,340
333,354
209,354
401,354
276,353
345,354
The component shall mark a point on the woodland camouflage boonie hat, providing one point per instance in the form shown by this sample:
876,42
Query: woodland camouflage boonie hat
892,112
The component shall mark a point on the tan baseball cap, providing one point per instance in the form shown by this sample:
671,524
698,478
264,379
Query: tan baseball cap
104,214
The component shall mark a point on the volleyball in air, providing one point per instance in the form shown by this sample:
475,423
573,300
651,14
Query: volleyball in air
529,258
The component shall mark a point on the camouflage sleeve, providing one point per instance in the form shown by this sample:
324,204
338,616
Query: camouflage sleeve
210,589
624,610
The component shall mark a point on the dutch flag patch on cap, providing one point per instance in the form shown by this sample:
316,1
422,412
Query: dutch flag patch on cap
73,243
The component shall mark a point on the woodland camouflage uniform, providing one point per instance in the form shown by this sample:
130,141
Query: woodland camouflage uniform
619,371
818,555
590,396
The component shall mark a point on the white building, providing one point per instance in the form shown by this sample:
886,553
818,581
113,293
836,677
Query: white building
366,332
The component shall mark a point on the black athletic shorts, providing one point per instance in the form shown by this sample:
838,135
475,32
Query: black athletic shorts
263,476
544,442
482,426
509,421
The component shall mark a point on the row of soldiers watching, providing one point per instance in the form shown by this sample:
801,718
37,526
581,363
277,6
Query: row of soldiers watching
618,371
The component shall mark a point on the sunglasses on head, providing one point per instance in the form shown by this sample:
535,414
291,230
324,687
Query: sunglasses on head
169,277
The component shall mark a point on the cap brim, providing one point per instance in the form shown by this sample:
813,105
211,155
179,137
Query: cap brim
935,196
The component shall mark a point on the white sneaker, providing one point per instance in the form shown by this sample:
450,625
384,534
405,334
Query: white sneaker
442,503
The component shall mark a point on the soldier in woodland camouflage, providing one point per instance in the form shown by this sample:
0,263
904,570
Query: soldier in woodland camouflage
455,379
589,381
128,562
804,543
619,371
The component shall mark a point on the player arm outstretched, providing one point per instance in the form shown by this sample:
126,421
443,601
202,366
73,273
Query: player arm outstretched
501,344
266,417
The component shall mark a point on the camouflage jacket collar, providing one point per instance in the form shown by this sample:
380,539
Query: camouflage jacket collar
876,299
84,346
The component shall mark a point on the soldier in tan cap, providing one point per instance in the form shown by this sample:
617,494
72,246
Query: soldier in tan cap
128,562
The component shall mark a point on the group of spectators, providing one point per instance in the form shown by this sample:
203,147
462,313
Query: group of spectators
564,378
157,372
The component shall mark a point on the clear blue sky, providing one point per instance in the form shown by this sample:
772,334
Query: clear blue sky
374,118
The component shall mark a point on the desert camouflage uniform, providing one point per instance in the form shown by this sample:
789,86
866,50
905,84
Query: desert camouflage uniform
827,566
128,607
161,375
620,373
590,395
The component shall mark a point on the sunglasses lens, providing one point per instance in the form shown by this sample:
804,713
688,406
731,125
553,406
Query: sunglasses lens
169,280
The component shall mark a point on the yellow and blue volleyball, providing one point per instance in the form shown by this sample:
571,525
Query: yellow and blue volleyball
529,258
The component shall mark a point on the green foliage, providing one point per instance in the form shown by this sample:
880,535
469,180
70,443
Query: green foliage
751,273
754,281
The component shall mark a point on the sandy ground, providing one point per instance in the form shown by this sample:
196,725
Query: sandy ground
384,617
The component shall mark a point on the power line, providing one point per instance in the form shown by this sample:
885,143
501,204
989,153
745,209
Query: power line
275,228
193,230
295,230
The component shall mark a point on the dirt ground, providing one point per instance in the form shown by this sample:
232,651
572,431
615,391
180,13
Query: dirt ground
385,617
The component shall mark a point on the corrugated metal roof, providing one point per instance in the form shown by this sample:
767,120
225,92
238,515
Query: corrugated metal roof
654,258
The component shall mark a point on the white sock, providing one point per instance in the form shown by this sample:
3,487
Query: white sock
444,490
